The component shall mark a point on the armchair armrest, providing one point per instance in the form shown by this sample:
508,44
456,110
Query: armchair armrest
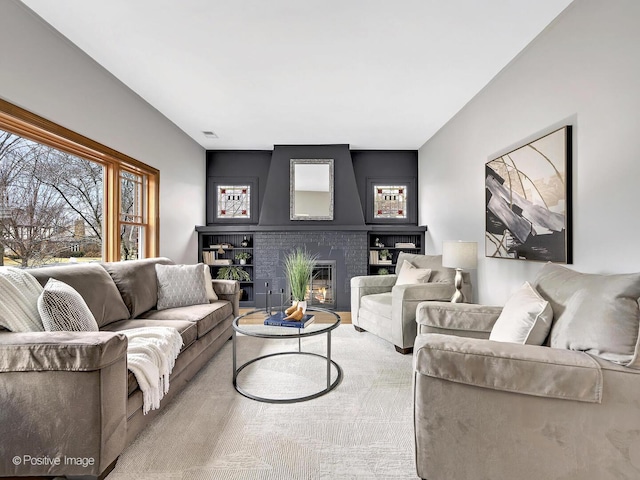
368,285
526,369
228,290
63,395
460,319
404,301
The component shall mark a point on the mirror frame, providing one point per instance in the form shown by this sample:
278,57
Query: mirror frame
292,188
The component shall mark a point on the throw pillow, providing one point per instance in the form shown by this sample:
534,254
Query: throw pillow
526,318
597,314
63,309
410,275
211,294
19,292
180,286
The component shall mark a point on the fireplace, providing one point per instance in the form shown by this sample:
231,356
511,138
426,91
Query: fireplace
341,255
322,285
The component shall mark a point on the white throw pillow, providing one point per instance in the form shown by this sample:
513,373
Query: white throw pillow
211,294
62,309
526,318
410,275
180,286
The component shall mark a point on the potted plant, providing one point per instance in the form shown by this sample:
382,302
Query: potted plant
298,268
243,257
385,256
233,272
383,271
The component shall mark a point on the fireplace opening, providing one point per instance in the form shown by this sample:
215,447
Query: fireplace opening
321,290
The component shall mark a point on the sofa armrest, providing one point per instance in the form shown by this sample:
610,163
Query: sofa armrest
228,290
60,351
460,319
63,396
404,301
525,369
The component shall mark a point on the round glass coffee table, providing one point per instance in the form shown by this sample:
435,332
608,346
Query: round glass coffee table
252,325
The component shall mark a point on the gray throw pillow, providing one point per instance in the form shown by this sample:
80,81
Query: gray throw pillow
62,309
180,286
597,314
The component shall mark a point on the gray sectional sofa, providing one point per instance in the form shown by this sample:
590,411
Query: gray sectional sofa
68,404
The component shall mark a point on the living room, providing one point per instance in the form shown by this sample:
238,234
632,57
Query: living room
581,70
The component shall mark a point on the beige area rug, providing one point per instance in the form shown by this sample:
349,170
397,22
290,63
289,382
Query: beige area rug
361,430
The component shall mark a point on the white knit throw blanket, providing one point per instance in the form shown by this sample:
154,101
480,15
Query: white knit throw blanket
19,292
151,355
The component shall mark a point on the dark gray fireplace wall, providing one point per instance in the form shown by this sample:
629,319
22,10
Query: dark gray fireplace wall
347,248
275,206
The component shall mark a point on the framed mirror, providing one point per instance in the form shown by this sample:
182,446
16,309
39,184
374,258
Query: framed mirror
311,195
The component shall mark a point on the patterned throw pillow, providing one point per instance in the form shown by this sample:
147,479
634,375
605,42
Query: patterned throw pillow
62,309
180,286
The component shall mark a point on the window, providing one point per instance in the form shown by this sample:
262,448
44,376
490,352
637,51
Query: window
390,201
64,197
234,201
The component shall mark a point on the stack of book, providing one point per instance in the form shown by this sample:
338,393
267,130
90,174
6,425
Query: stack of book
373,257
405,245
278,320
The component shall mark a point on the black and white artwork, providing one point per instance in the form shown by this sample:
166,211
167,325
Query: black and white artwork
528,201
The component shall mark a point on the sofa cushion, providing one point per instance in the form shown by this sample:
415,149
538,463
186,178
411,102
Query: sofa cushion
208,283
180,286
597,314
526,318
136,282
63,309
379,303
206,316
188,330
94,284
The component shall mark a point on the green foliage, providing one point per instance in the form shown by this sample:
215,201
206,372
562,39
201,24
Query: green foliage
242,256
384,254
233,272
383,271
298,267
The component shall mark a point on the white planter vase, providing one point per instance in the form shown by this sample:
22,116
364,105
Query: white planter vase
303,304
243,261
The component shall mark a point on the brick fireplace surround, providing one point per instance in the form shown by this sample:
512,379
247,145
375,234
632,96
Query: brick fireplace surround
347,248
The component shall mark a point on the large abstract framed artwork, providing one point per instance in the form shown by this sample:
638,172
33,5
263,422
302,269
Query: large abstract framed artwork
528,201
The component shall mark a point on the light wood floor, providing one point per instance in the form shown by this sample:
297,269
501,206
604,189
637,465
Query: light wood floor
344,316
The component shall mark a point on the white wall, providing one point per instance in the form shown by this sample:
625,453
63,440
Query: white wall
583,70
42,72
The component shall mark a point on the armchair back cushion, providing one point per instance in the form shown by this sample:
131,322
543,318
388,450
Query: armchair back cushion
597,314
432,262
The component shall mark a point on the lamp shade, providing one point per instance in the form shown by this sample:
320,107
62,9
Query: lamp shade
458,254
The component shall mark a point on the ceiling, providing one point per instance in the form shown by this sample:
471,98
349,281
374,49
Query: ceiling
374,74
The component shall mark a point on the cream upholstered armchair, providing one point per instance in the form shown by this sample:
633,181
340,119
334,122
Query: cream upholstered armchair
568,409
381,306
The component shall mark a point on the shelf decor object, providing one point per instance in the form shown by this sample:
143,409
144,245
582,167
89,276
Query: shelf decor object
459,255
528,201
298,267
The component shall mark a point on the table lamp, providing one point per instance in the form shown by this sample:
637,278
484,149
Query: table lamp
459,255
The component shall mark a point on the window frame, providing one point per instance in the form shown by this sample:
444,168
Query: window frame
34,127
411,195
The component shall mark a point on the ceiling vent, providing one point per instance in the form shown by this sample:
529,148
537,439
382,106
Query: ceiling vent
210,134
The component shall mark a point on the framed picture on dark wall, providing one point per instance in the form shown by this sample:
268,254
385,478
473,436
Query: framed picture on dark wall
391,200
232,200
528,201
